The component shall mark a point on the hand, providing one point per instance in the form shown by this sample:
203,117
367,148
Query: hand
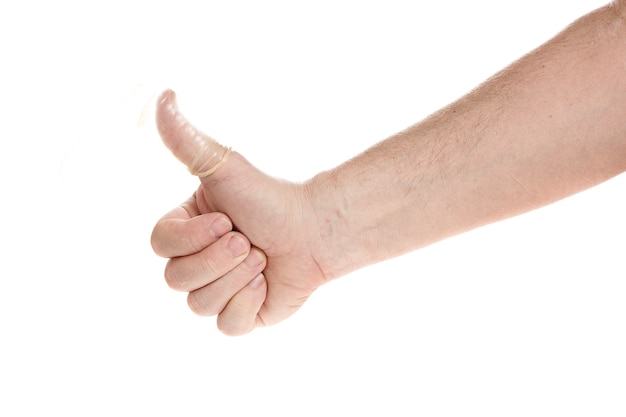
274,219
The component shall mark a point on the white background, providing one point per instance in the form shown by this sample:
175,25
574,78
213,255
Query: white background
524,317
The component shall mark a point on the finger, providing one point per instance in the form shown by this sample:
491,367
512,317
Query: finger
240,315
178,234
213,298
198,151
188,273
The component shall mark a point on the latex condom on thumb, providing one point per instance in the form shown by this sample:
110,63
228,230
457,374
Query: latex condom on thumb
202,154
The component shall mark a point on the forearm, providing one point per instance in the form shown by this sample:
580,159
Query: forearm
550,125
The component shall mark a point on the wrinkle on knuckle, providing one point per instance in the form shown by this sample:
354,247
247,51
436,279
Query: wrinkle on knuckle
236,322
199,305
191,242
231,327
210,267
173,278
156,240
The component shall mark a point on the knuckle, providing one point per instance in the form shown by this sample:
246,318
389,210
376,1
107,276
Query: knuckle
210,267
156,240
200,306
191,242
231,327
236,319
174,278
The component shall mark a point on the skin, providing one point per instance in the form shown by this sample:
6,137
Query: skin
550,125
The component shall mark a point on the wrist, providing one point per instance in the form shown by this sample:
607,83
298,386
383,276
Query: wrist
341,246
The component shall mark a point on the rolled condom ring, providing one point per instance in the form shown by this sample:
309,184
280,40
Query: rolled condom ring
202,154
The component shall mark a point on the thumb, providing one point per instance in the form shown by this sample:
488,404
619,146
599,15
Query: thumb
202,154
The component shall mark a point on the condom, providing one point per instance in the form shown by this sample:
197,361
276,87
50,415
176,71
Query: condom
202,154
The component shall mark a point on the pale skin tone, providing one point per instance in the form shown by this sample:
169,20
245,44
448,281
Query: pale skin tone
251,249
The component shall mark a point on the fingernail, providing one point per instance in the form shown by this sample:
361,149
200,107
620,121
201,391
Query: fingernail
220,227
257,281
254,259
237,246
